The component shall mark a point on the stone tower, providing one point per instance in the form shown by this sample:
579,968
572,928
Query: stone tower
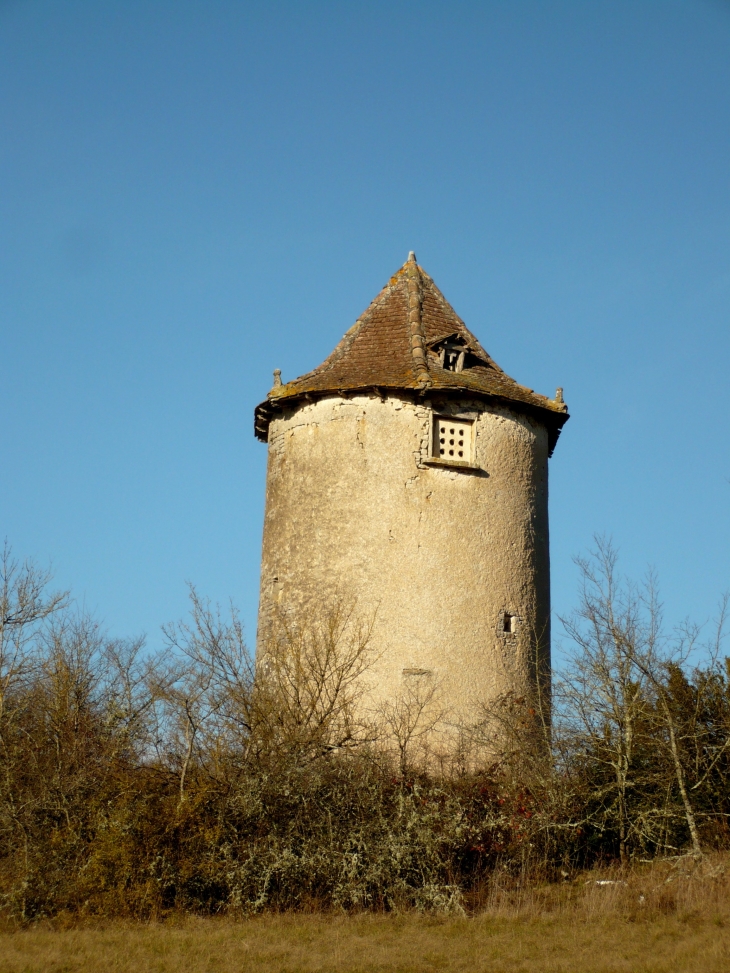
411,472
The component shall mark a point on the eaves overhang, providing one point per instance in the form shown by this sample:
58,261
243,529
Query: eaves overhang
553,419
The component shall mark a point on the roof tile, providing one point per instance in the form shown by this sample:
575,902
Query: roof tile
391,347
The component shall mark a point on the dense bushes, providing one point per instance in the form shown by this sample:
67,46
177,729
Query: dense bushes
133,785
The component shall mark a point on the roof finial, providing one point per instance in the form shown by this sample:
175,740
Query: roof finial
277,377
411,257
558,402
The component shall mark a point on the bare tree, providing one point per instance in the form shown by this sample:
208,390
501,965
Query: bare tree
135,683
209,696
604,696
707,715
410,721
298,699
311,679
680,713
25,605
620,696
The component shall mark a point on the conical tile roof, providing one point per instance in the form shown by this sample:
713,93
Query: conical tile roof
407,339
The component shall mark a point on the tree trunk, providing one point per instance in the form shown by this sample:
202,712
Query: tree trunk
679,772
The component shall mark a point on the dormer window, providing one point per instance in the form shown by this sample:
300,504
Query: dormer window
453,354
452,439
452,357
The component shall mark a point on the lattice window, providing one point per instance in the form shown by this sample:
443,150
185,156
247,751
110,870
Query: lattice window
452,439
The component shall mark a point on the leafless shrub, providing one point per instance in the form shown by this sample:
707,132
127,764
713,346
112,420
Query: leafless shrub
202,781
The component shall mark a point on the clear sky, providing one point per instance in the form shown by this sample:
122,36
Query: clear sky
195,193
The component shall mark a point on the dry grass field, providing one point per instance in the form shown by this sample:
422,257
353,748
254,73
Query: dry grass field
378,944
669,917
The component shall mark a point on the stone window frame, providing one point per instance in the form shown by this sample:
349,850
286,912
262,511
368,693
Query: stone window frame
432,460
511,637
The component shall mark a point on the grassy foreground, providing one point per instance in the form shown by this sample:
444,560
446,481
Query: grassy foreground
276,945
667,917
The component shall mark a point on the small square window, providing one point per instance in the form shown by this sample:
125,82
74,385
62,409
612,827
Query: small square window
452,439
509,623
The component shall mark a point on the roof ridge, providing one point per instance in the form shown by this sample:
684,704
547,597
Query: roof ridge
415,321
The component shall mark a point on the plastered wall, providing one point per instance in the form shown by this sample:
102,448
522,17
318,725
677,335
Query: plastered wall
440,554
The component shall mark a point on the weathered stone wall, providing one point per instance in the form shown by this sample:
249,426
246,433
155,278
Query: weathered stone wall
442,553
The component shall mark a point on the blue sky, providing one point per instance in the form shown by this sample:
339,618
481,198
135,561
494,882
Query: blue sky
195,193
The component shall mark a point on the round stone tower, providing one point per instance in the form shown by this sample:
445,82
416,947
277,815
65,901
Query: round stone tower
409,472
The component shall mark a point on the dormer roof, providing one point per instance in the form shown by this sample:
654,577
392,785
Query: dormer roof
410,338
